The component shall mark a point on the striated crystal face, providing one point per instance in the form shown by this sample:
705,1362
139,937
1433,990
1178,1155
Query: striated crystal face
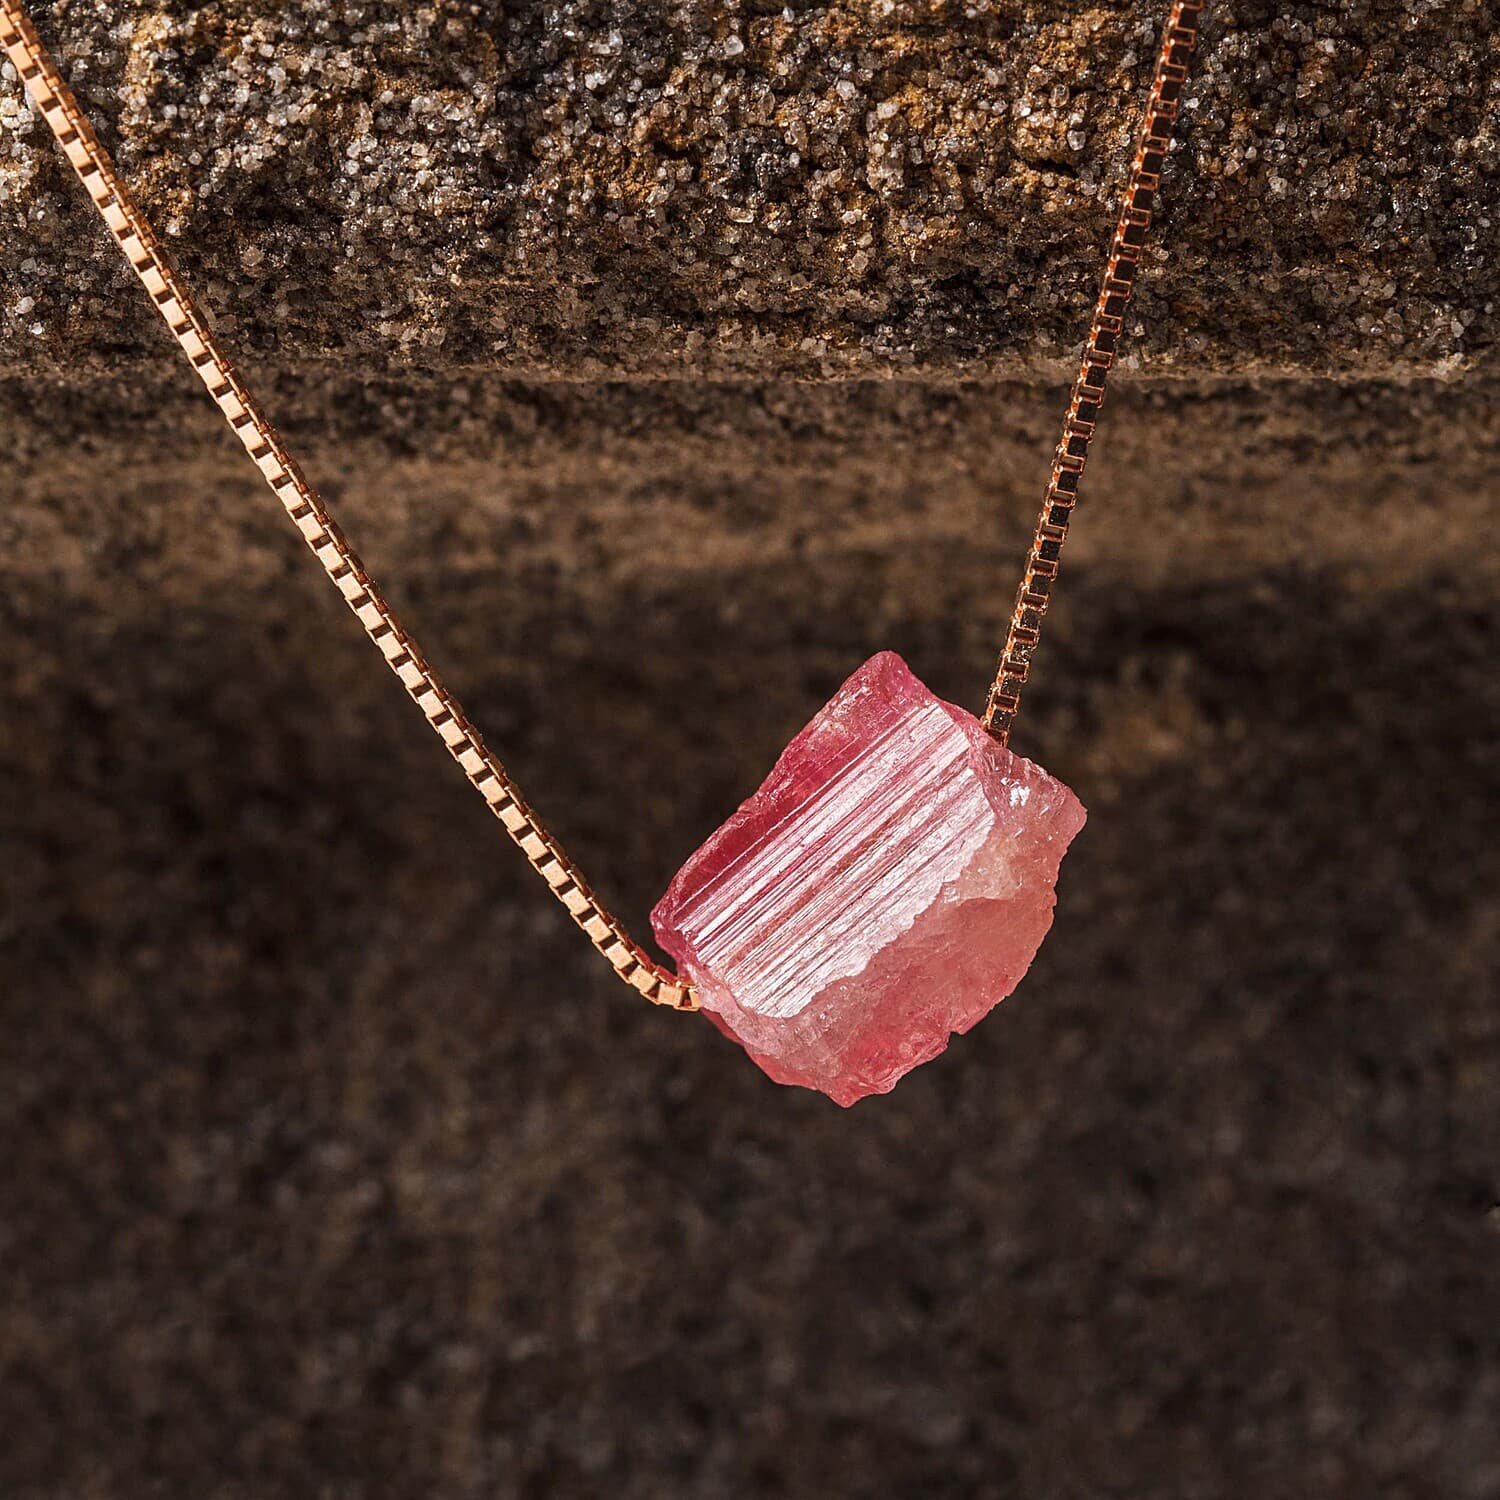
887,886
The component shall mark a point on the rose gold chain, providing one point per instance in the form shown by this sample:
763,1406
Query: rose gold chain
190,328
24,48
1162,105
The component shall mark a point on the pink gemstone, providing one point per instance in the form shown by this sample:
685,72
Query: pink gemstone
888,885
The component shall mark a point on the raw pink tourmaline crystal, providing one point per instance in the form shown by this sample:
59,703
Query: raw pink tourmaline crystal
888,885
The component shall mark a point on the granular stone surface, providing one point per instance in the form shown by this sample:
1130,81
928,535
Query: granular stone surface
336,1164
596,187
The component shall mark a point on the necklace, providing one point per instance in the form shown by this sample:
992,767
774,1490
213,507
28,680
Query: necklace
894,876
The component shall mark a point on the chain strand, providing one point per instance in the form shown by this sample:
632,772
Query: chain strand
20,42
442,710
1032,598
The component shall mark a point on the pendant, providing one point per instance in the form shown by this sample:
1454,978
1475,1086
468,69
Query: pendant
887,886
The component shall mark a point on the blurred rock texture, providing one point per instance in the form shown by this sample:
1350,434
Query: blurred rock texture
665,362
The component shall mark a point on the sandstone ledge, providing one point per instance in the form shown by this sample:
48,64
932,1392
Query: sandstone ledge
595,190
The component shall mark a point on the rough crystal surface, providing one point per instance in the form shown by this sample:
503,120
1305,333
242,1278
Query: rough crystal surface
887,886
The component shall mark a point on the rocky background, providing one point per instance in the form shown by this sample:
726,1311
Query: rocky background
664,362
